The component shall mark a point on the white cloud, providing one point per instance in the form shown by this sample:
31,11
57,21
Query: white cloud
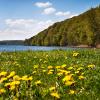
23,28
43,4
65,15
49,11
19,22
72,15
60,13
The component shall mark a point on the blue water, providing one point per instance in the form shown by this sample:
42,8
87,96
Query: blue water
34,48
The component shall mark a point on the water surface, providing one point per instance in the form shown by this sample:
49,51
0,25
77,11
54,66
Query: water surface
34,48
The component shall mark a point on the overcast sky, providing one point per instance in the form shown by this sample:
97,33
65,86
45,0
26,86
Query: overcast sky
21,19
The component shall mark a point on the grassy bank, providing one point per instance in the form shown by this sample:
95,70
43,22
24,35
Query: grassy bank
50,75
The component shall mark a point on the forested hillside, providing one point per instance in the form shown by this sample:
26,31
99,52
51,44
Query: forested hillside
12,42
80,30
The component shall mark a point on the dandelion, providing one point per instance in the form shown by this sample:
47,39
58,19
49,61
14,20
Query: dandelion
52,88
80,68
55,94
63,66
50,67
60,73
76,72
57,67
71,92
47,55
91,66
38,82
24,78
11,74
34,72
35,66
50,71
15,83
16,77
64,71
81,77
12,87
7,85
69,83
30,78
75,54
67,78
45,62
3,79
70,68
67,72
3,73
44,71
2,91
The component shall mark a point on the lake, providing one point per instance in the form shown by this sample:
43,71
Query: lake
34,48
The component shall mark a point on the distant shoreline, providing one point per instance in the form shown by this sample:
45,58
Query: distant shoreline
79,46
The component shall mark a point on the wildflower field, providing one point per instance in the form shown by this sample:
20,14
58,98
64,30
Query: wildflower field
50,75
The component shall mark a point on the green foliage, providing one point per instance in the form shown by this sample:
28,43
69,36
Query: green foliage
83,29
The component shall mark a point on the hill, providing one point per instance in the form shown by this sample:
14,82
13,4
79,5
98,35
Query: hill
79,30
12,42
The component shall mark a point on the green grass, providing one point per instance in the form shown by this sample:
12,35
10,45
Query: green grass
27,62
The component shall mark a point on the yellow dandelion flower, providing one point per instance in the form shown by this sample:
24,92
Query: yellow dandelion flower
91,66
44,71
34,72
57,67
38,82
67,78
12,87
59,73
80,68
24,78
16,77
76,72
63,66
55,94
3,79
47,55
67,72
71,92
7,84
50,72
64,71
15,83
3,73
75,54
36,66
81,77
2,91
45,62
11,74
30,78
68,83
52,88
50,67
70,68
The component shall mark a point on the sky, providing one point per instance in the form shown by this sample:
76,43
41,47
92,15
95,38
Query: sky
22,19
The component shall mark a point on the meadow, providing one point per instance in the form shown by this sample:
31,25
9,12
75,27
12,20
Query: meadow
50,75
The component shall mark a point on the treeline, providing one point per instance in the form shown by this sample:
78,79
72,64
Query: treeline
12,42
80,30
